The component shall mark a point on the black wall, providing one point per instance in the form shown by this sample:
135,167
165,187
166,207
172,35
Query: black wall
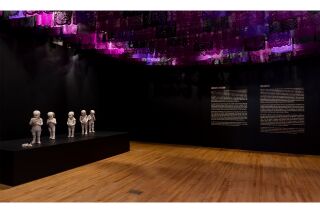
153,103
174,105
37,75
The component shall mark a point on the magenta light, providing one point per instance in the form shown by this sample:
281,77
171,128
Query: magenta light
174,62
260,55
229,43
45,20
100,46
297,47
109,48
115,51
109,45
69,29
31,13
207,56
87,38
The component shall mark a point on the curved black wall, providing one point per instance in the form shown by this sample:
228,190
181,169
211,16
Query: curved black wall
174,105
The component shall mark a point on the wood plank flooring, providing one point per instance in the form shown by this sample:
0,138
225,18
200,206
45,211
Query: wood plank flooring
160,172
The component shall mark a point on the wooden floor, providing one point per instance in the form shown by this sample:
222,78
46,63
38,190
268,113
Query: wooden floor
155,172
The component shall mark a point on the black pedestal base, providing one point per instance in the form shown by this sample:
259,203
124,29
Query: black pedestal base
19,165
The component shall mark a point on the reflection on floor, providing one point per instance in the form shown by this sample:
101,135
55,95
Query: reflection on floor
2,187
159,172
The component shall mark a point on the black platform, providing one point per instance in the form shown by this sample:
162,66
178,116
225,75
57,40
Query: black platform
19,165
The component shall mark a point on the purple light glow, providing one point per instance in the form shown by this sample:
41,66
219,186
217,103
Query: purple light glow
297,47
151,60
31,13
100,46
209,56
114,51
69,29
110,48
174,62
159,61
204,36
283,49
279,39
18,14
260,56
139,55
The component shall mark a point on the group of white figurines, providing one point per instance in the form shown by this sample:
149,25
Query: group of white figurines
86,121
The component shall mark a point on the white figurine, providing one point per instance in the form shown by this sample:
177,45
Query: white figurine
91,120
51,122
36,123
25,145
71,124
84,122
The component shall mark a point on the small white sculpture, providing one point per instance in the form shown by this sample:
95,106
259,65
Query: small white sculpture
25,145
91,120
84,122
71,124
51,122
36,122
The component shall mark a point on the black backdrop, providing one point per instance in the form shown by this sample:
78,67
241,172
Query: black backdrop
153,103
173,105
38,75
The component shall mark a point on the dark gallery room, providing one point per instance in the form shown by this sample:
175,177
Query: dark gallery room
159,106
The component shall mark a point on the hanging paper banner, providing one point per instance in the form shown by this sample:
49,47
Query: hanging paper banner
289,24
45,20
87,40
304,35
31,13
16,14
69,29
62,18
134,22
279,39
255,30
154,18
23,22
255,43
275,26
86,20
213,14
163,31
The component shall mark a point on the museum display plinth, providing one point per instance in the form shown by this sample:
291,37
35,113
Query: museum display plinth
20,165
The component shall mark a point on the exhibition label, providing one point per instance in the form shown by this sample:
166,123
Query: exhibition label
229,107
281,110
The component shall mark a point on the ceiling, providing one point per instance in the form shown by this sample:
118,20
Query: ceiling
181,37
